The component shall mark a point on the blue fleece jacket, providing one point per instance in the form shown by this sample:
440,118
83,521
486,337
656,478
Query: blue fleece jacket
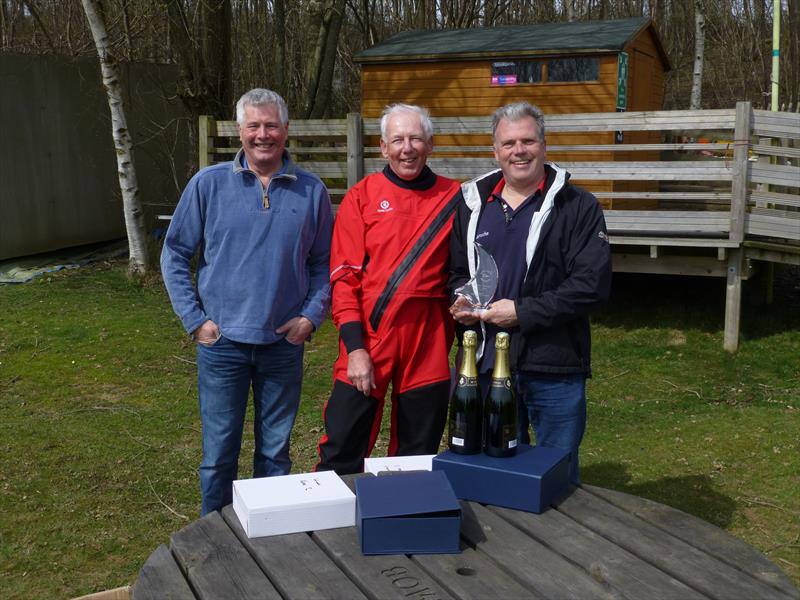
257,267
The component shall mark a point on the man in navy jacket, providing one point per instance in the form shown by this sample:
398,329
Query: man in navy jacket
549,240
262,227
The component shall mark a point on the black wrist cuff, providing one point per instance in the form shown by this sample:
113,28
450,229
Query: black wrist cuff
352,334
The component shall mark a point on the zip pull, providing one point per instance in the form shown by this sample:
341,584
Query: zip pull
266,199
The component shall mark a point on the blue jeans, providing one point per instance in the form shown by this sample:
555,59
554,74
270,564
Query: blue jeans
556,407
226,370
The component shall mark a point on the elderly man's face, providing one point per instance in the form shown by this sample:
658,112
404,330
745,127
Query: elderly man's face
519,151
263,136
406,147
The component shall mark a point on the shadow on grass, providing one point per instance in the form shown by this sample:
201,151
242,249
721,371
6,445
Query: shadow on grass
692,494
671,301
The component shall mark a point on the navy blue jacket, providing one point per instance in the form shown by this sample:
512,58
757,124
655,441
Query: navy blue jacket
569,272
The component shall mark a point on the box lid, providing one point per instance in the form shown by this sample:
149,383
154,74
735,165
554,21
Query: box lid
533,460
266,494
394,464
405,494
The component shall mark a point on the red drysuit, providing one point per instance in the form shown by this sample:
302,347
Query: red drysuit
388,276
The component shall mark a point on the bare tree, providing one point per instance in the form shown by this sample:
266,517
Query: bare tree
322,62
699,55
134,215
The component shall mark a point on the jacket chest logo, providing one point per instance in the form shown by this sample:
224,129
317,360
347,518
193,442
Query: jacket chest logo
384,206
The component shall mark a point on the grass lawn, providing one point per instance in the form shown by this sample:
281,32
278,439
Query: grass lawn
100,436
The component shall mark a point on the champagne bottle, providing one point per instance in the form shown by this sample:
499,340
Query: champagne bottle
465,431
501,405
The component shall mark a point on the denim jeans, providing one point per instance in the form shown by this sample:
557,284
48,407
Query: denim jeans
556,407
226,371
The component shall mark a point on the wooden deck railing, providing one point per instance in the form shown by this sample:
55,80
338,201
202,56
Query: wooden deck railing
725,183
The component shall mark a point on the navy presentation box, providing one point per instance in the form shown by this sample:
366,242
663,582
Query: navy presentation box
530,480
407,513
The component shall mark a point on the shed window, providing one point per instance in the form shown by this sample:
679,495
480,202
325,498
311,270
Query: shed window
516,71
573,69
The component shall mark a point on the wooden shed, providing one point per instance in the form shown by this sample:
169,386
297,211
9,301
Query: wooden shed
575,67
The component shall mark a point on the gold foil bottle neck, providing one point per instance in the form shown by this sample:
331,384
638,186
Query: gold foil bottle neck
470,339
501,341
501,367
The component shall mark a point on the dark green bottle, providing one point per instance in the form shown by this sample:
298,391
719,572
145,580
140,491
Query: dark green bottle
500,427
465,431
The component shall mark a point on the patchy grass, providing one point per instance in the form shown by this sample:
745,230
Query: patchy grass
99,431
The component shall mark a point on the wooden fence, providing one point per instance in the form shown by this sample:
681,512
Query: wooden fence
725,190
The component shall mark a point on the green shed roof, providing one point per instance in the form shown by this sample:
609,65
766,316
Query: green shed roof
576,37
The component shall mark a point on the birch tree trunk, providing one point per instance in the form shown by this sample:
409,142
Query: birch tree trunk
699,50
138,263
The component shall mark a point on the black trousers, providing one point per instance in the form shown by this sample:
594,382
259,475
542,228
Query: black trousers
352,423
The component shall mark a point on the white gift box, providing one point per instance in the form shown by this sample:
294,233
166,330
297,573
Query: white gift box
293,503
422,462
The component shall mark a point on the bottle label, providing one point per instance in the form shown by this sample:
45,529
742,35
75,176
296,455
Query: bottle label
457,441
467,381
510,436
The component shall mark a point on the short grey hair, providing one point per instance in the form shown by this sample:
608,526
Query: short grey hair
516,111
421,111
261,97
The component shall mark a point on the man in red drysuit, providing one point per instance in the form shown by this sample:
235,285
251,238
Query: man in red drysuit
390,304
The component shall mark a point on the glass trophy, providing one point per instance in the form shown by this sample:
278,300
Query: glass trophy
479,291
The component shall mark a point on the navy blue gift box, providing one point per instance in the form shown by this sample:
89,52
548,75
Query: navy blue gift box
531,480
408,513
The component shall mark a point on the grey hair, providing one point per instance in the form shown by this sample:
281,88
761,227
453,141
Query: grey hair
261,97
421,111
516,111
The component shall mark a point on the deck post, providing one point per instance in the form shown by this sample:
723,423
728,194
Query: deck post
733,300
206,128
355,149
739,187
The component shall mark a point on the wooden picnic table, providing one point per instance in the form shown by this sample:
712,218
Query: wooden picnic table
595,543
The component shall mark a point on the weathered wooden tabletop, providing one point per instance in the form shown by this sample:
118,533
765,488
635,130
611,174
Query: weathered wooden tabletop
596,543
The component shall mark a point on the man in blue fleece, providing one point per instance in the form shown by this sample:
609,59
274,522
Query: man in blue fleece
261,227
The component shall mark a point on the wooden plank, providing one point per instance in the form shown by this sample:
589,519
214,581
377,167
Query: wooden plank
773,226
472,574
700,534
604,560
686,196
686,242
786,175
161,579
470,167
651,170
763,198
693,566
298,128
785,151
216,564
790,257
695,266
776,124
538,567
680,120
120,593
674,120
686,222
295,565
378,577
331,169
551,148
